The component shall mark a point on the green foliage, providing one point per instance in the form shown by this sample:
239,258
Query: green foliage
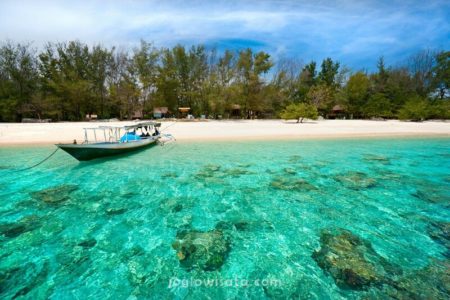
67,81
378,106
299,112
321,97
18,81
441,79
357,91
439,109
328,72
416,109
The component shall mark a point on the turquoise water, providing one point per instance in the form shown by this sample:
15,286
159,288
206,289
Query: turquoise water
126,228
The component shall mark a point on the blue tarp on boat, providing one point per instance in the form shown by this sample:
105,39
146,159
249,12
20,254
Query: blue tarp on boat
129,137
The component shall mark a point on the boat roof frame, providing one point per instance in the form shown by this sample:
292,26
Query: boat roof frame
128,127
115,131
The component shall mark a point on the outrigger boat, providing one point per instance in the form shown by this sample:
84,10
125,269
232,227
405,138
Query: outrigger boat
113,140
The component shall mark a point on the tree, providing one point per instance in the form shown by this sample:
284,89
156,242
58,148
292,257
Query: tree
66,81
381,76
299,112
250,67
441,72
321,97
18,81
416,109
399,87
378,106
328,72
303,83
357,90
146,59
421,67
99,69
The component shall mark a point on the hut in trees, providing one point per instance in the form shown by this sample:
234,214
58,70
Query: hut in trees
183,111
160,112
91,117
235,111
337,112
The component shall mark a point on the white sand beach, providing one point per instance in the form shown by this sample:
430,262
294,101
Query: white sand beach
50,133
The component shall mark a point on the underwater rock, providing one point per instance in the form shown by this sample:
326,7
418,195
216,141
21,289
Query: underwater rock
321,163
236,172
177,208
239,226
169,175
244,165
208,171
388,175
133,251
292,184
26,224
377,158
19,281
138,269
112,211
431,282
432,194
129,195
174,205
355,180
55,195
440,232
244,225
212,168
351,261
290,171
74,263
205,250
294,158
87,244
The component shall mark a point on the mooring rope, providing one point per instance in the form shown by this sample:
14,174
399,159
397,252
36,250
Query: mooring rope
171,137
41,162
168,126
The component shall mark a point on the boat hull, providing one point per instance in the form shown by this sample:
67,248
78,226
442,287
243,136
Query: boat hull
84,152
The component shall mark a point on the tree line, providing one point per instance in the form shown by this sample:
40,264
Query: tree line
67,81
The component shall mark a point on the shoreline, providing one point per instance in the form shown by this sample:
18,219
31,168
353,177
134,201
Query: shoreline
44,134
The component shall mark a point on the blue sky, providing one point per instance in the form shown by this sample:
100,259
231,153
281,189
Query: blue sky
355,32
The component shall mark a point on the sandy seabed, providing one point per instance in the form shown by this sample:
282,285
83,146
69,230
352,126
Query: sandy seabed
66,132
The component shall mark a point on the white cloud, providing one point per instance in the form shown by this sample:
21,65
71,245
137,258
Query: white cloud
342,28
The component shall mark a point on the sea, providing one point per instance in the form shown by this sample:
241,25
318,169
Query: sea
305,219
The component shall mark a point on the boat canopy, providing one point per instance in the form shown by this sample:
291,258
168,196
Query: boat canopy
143,124
113,134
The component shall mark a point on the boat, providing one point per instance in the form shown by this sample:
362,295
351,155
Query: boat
104,141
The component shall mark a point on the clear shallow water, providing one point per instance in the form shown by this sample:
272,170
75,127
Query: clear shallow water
109,229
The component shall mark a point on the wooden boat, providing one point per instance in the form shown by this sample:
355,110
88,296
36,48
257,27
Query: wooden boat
116,140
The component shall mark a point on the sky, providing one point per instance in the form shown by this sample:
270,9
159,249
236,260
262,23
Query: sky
354,32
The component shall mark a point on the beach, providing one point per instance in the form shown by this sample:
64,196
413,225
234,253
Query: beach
64,132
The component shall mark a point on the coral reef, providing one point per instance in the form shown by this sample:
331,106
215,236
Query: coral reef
440,232
355,180
19,281
205,250
55,195
351,260
292,184
26,224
